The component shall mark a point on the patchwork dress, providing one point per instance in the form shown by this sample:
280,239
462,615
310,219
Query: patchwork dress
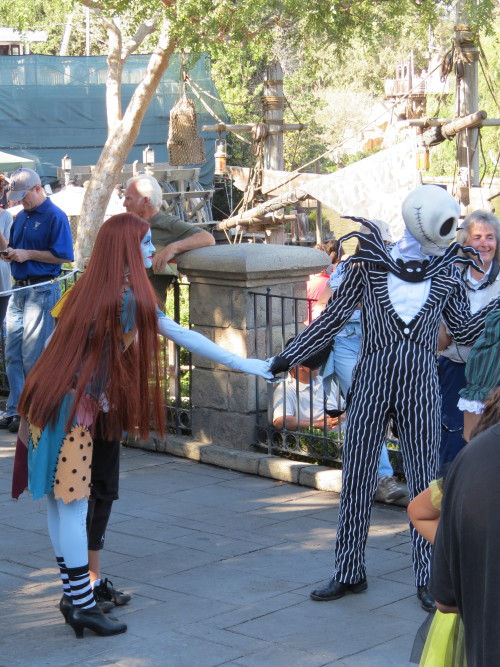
60,459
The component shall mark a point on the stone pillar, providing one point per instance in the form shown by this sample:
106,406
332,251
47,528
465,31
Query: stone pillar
222,308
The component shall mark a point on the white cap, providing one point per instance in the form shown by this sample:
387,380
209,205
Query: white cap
21,181
383,228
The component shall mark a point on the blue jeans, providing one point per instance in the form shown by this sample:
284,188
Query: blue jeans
451,379
29,324
345,354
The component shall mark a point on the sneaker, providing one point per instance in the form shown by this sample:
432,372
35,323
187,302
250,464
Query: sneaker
389,490
105,605
105,591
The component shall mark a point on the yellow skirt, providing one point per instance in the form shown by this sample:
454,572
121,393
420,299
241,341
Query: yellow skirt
445,645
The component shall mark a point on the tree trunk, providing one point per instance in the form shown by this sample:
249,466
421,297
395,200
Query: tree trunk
114,77
120,140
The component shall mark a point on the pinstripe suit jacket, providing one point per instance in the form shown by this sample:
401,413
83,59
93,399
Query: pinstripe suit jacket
366,283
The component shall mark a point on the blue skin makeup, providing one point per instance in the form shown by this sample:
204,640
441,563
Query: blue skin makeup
147,249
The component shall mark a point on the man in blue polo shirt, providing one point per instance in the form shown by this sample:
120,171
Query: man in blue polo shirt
40,240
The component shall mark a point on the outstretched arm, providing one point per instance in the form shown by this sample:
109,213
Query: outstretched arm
195,342
320,333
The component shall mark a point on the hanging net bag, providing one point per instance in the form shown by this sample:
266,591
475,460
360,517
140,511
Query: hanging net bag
185,146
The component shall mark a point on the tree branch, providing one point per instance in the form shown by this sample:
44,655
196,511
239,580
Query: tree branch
92,4
273,20
147,28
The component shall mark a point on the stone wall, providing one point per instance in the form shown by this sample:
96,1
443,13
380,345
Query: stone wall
222,307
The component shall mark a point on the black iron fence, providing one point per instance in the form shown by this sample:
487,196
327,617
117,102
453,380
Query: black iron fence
177,365
176,362
282,317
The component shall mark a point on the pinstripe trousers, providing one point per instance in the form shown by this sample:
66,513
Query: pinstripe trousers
398,381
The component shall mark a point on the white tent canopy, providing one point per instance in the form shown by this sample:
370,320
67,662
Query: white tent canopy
372,188
9,162
70,200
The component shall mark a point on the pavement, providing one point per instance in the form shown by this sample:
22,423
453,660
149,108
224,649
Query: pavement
220,565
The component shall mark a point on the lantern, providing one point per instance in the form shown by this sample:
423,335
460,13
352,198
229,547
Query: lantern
220,157
66,165
422,157
148,158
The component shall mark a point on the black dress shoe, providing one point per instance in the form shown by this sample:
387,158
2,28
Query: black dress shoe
426,600
14,424
5,422
337,589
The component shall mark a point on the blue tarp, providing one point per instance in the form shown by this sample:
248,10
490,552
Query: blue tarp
51,106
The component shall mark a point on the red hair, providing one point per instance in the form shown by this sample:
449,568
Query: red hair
87,345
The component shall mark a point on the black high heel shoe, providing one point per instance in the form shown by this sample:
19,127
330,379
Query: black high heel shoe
94,619
66,604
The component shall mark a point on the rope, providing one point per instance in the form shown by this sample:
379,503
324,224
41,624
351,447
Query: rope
273,102
447,63
481,150
212,113
259,133
289,106
485,68
495,169
218,99
46,282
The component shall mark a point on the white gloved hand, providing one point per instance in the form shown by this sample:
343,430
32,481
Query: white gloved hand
253,366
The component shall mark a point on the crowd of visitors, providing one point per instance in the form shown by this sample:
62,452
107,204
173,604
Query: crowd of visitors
381,315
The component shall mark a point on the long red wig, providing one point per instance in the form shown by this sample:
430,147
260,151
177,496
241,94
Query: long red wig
88,339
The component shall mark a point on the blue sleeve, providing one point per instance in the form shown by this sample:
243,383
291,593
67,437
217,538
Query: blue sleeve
337,276
18,222
61,243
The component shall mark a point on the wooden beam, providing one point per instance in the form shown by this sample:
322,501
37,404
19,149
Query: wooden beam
191,194
436,122
222,127
467,122
249,217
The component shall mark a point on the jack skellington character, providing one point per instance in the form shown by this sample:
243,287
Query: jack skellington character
405,290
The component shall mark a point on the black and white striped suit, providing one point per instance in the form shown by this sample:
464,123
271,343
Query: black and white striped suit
396,376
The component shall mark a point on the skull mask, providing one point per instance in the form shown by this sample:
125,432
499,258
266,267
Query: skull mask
431,216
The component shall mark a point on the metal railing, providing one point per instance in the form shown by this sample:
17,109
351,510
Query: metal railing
66,283
176,364
282,317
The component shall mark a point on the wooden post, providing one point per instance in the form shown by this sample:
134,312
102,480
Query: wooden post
319,215
273,103
467,103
